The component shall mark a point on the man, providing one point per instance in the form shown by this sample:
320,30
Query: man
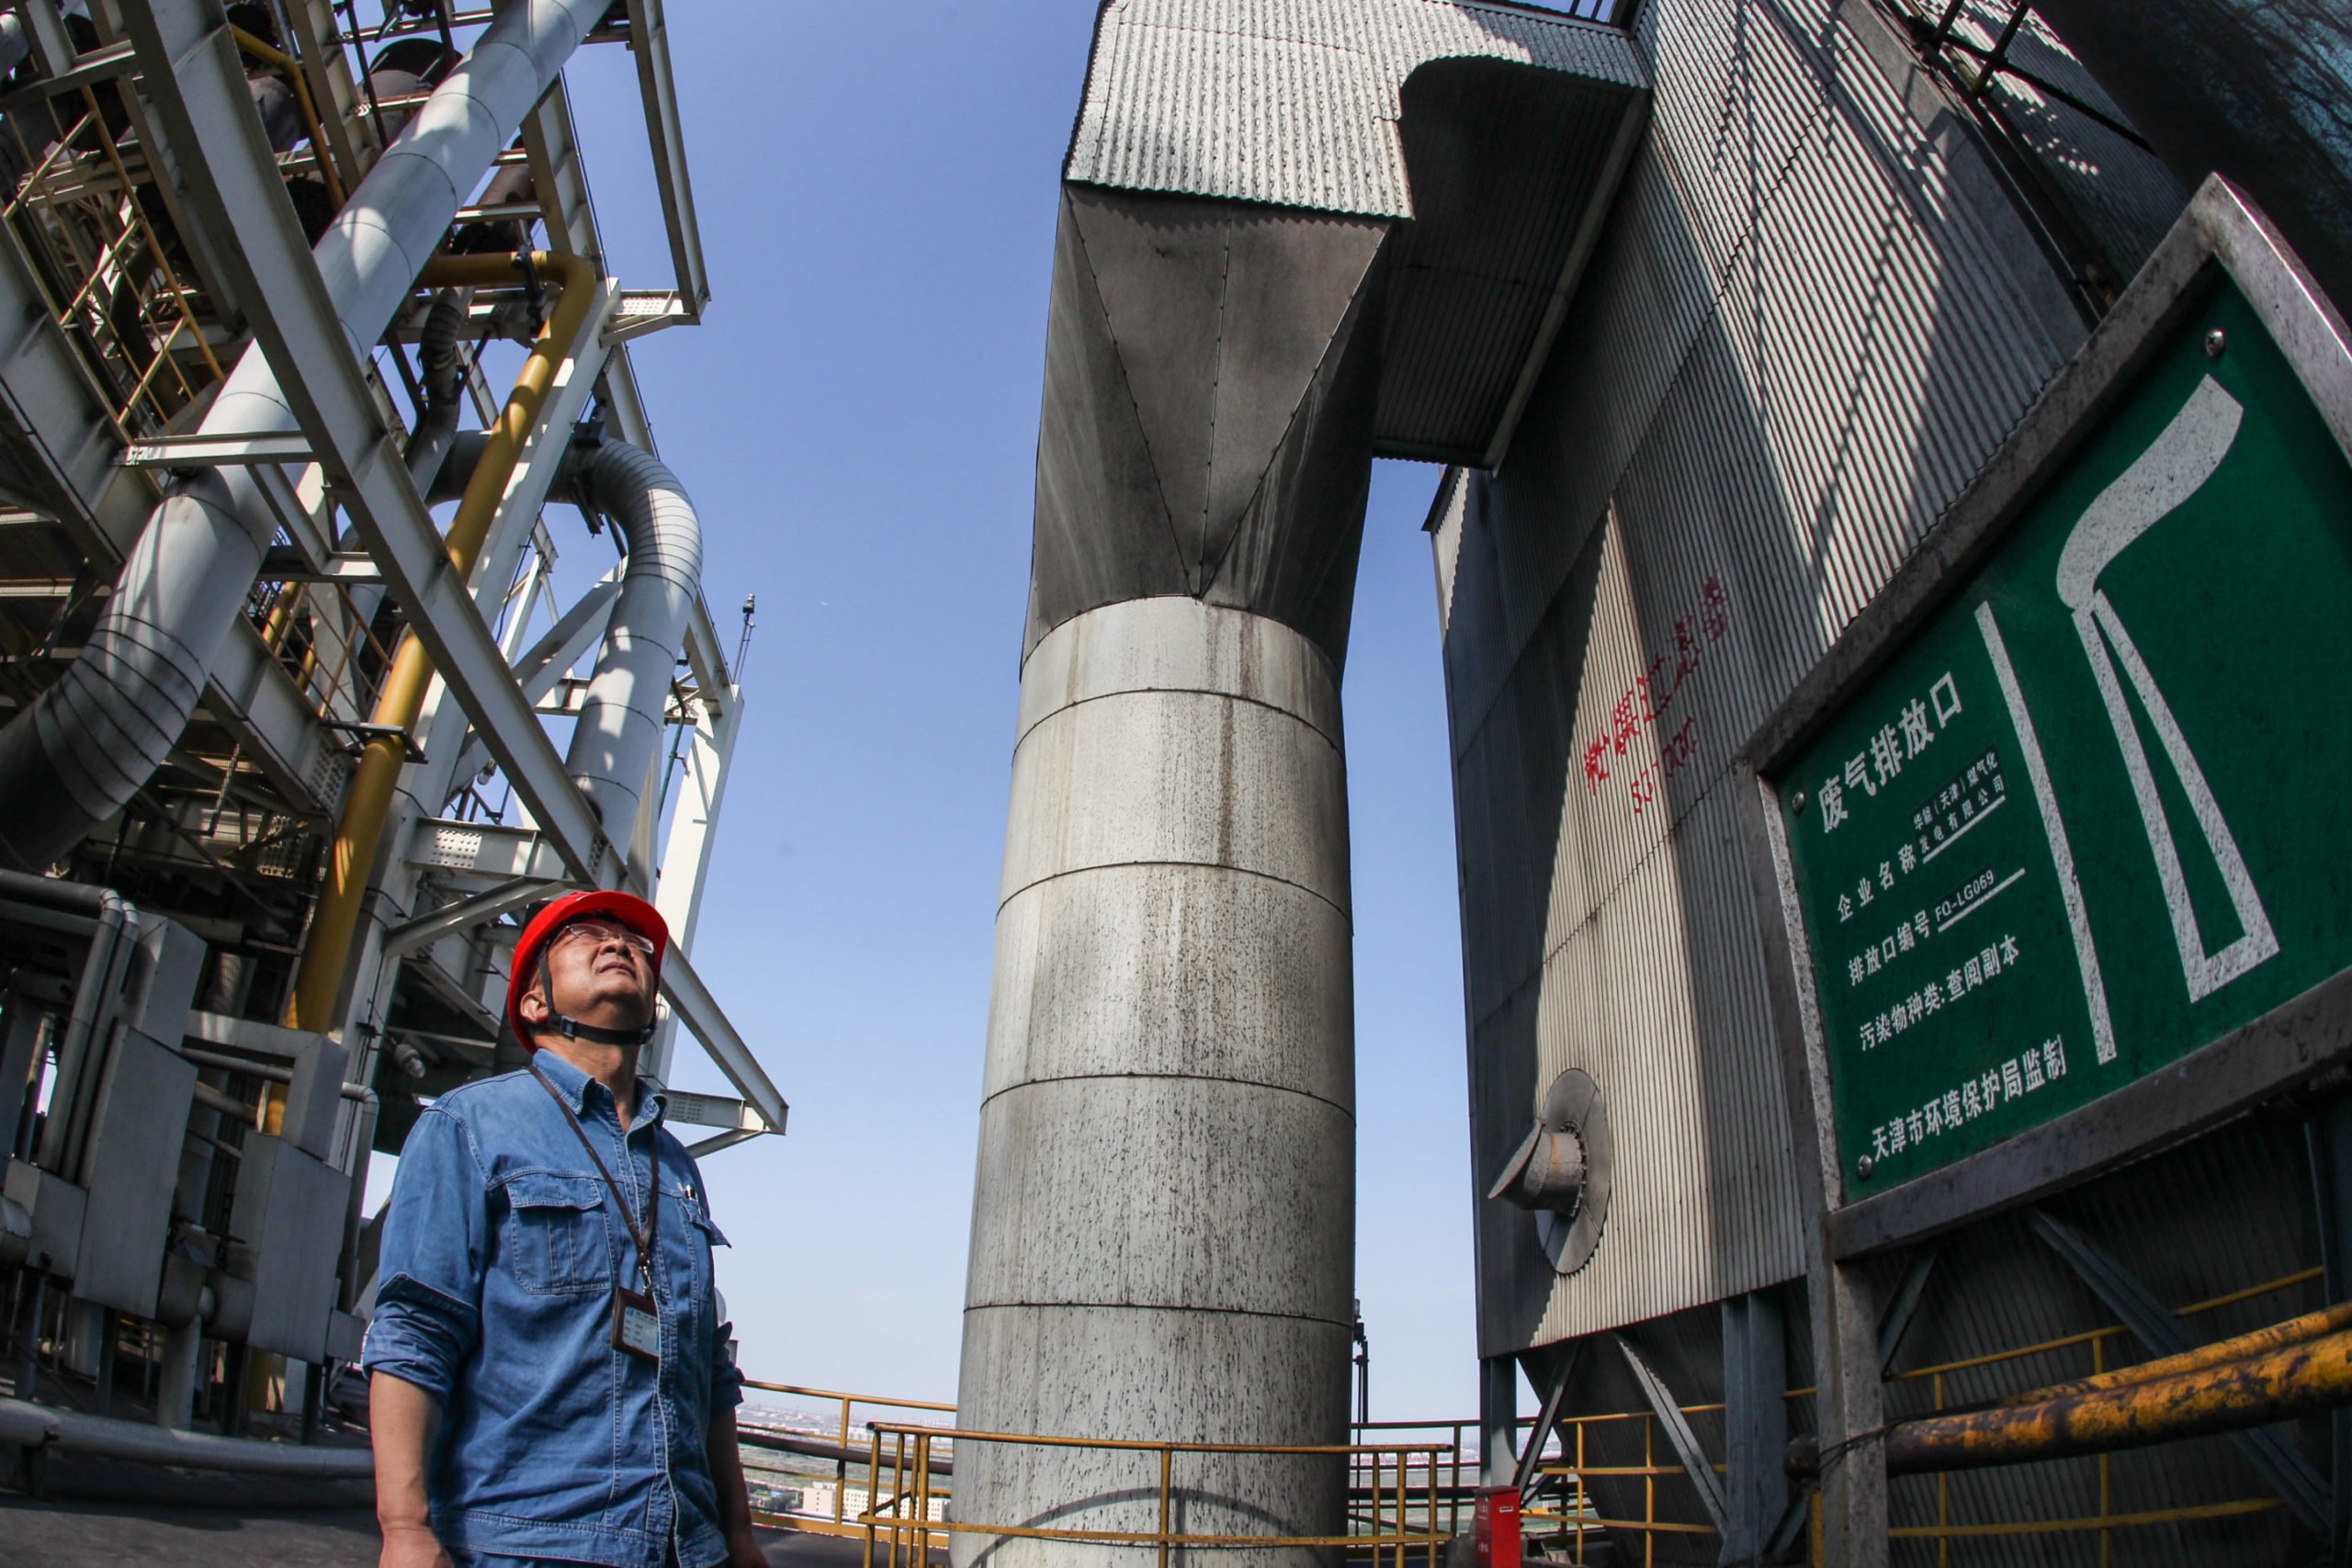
549,1378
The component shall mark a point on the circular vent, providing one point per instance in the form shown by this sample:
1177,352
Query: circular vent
1573,1107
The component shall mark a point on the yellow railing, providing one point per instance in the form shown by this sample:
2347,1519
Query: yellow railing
848,1404
903,1513
1944,1532
100,260
1395,1484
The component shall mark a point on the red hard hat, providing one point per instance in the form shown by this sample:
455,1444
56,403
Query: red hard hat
626,907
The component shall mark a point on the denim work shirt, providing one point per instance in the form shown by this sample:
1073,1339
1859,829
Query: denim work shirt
500,1254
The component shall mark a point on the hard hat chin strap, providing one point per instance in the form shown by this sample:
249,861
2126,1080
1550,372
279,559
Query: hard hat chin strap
572,1029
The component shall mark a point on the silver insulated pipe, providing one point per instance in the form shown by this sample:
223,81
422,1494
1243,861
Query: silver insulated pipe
88,744
622,715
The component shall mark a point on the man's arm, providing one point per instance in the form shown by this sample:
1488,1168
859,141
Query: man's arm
427,1321
402,1421
734,1497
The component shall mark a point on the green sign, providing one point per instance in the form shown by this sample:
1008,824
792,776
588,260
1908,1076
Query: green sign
2094,813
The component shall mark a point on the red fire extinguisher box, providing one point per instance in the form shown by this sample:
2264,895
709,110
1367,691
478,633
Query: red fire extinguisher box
1494,1529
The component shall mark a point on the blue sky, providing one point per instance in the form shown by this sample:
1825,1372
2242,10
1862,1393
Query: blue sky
856,420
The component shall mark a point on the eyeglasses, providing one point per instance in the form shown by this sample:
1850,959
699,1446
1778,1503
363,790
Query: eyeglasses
599,932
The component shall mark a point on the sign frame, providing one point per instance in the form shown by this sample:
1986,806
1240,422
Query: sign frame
2220,235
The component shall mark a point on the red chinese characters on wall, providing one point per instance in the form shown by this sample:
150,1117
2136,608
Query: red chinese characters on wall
1647,703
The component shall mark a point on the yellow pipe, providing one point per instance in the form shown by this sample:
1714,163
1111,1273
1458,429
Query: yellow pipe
286,63
2278,1385
2294,1331
368,803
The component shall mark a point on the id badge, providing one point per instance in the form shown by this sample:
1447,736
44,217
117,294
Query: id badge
636,1327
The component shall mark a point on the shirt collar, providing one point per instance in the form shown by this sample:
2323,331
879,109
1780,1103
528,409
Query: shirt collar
572,1085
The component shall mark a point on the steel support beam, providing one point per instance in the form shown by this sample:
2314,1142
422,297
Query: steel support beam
1896,1322
1756,1425
1497,1419
236,195
1555,1395
694,830
1680,1437
648,37
465,913
2328,1135
2160,1331
44,23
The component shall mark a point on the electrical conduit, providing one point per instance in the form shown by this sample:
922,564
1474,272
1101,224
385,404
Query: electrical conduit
87,745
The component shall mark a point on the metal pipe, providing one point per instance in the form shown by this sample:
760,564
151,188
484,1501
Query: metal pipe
318,984
77,898
292,70
2255,1391
437,352
30,1426
2294,1331
623,712
267,1072
622,715
79,752
77,1074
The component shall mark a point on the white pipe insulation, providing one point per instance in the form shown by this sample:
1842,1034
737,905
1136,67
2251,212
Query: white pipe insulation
622,716
89,742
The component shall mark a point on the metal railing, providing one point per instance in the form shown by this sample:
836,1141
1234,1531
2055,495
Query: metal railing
1406,1497
909,1513
842,1453
79,206
1944,1531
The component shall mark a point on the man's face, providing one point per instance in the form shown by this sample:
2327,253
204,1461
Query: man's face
602,974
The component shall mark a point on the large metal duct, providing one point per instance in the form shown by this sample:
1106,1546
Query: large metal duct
1162,1241
2258,90
622,714
91,740
1245,305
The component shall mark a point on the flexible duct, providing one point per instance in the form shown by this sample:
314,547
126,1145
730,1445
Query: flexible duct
437,353
622,716
88,744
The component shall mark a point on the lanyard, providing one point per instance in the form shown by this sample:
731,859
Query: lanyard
644,1236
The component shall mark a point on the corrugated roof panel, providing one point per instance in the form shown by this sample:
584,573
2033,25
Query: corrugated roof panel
1291,101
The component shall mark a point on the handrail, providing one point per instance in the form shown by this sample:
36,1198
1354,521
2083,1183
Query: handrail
1148,1445
841,1394
903,1508
1573,1516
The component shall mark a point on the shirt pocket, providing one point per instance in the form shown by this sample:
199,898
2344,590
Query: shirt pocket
703,1236
559,1241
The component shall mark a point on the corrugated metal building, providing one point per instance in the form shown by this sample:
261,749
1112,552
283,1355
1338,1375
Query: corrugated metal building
1721,310
1819,305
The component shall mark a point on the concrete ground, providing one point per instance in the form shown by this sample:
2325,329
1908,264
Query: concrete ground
94,1515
